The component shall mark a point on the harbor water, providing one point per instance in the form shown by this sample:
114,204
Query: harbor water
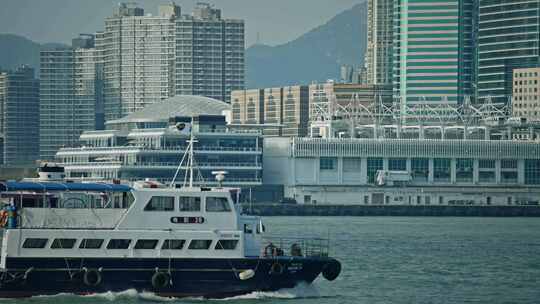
397,260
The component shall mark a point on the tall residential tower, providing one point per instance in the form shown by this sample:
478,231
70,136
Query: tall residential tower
19,117
70,90
209,54
378,57
137,52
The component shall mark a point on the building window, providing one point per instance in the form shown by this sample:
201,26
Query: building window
217,204
146,244
160,203
373,165
509,177
508,164
486,170
91,244
352,164
226,245
441,169
200,244
63,243
486,164
397,164
173,244
486,176
327,163
532,171
189,204
420,169
464,170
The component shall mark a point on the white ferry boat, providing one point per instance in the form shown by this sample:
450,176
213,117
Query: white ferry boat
83,238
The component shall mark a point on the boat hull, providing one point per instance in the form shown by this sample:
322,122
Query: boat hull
209,278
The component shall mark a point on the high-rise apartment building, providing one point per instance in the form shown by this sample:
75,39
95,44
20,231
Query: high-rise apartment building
432,51
378,56
70,95
209,54
19,117
147,59
137,52
508,38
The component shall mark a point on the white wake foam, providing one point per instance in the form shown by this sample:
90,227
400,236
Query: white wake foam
302,290
115,296
130,294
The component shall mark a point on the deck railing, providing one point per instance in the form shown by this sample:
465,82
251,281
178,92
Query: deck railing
295,246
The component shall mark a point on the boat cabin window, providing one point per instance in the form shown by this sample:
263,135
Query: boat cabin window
217,204
63,243
34,243
189,203
248,228
200,244
160,203
118,244
173,244
74,200
146,244
91,243
226,245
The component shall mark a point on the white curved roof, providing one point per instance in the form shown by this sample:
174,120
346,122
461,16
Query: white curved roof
179,105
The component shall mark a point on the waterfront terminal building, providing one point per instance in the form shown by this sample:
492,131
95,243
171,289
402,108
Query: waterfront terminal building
391,171
147,144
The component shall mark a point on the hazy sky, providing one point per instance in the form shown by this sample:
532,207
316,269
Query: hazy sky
276,21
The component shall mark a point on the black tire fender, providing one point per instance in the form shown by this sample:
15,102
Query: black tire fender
276,269
160,280
92,277
331,270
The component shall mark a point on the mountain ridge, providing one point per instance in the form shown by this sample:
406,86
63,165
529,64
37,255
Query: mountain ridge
18,50
314,56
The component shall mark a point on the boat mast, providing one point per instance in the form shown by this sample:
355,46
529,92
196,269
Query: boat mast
191,141
189,154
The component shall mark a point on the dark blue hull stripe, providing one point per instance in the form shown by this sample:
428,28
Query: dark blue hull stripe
213,278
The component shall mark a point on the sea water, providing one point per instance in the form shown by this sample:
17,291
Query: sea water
396,260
